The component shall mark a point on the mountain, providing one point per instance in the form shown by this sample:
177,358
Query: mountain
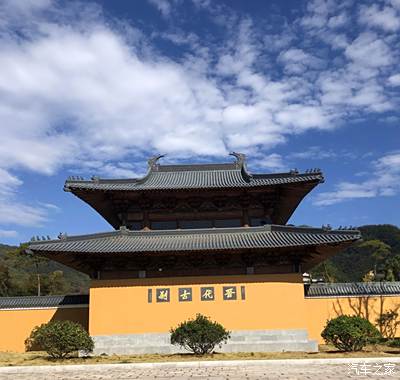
355,262
21,275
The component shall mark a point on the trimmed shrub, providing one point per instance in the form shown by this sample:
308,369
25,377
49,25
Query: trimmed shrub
395,342
350,333
60,339
199,335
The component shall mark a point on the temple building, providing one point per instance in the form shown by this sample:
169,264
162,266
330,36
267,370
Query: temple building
204,238
196,220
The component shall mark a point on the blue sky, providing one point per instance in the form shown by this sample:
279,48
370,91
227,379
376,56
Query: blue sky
95,88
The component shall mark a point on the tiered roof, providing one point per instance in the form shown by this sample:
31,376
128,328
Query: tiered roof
112,198
182,177
105,195
201,240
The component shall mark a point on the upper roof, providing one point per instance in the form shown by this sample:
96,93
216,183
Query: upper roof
352,289
215,239
43,301
194,176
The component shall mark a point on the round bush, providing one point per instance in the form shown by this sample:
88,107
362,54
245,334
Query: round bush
199,335
60,338
350,333
394,342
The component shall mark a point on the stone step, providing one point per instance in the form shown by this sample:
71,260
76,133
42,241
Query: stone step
239,336
288,346
241,341
279,346
266,336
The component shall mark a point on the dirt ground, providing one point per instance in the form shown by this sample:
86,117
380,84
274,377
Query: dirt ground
41,358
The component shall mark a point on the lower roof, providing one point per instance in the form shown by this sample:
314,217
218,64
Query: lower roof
212,239
322,290
44,301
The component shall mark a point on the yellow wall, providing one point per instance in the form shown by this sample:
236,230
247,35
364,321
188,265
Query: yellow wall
16,325
319,310
121,306
272,302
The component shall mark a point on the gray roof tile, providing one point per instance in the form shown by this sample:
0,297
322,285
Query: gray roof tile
193,177
124,241
352,289
43,301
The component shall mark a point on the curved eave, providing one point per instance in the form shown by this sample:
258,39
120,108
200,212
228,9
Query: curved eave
290,189
193,180
202,240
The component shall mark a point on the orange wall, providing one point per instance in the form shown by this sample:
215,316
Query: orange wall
121,306
272,302
16,325
319,310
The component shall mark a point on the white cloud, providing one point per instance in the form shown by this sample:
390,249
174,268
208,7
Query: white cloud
82,92
394,3
13,211
394,80
8,234
338,21
270,162
164,6
318,12
384,181
297,61
314,153
8,183
382,17
368,50
302,117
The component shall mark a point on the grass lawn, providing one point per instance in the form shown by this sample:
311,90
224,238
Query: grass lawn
41,358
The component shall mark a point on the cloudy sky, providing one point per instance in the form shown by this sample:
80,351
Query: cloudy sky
95,88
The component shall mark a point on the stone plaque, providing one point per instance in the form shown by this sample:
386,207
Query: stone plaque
185,294
163,295
229,293
207,293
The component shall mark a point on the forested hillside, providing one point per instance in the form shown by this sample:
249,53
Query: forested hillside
21,274
378,253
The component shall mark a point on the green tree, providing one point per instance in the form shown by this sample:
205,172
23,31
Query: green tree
54,283
379,252
325,270
355,261
392,268
5,279
199,335
24,275
60,339
350,333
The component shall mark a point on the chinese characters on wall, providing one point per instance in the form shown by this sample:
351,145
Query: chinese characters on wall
207,293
